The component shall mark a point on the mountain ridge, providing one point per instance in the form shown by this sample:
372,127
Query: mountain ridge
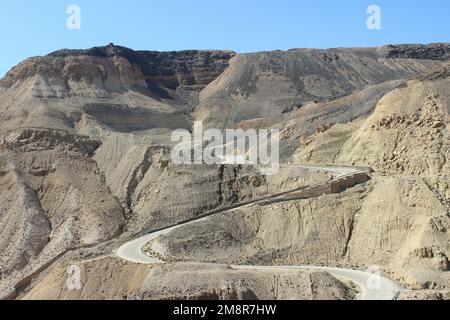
85,154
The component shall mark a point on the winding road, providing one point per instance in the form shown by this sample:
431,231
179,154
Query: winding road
372,286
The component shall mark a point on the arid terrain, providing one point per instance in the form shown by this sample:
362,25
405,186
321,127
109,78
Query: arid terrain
364,181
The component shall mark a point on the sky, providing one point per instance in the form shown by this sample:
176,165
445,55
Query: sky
30,28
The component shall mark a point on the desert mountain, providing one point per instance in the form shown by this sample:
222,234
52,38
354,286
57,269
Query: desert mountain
85,166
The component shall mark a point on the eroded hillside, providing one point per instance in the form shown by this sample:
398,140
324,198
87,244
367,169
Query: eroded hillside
85,166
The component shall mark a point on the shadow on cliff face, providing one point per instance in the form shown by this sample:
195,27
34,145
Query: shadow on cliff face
126,119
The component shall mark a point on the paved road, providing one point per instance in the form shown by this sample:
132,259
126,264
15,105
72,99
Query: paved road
372,286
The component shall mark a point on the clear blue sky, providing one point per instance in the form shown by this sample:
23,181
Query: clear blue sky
29,28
